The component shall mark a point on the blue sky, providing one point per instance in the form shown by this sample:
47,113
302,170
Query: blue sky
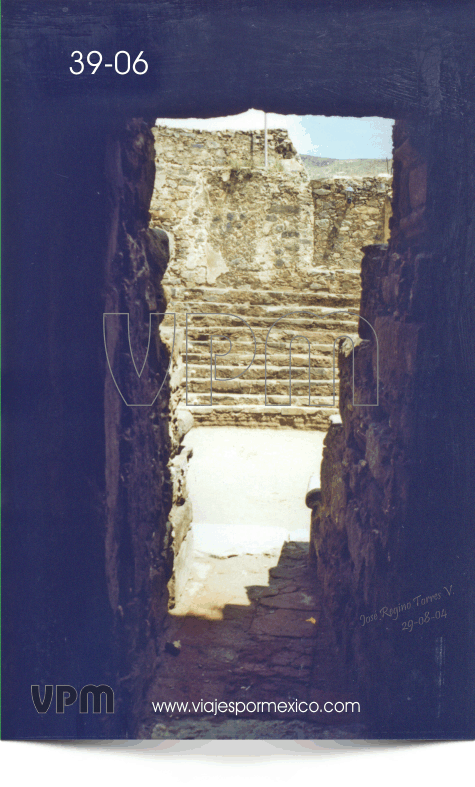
338,137
332,137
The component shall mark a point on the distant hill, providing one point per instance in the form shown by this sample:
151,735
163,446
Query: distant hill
318,167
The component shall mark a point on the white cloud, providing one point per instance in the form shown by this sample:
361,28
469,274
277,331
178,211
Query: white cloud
300,136
251,120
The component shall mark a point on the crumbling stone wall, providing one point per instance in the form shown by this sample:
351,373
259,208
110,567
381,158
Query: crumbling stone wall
178,536
261,243
239,224
196,149
377,510
246,226
345,221
146,510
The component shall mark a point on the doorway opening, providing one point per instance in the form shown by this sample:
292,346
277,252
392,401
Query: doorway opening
264,277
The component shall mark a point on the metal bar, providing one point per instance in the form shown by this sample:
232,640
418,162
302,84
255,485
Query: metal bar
265,140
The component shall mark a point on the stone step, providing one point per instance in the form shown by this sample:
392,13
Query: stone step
321,355
258,371
250,311
216,323
240,385
311,418
260,408
246,399
246,413
279,338
242,354
303,297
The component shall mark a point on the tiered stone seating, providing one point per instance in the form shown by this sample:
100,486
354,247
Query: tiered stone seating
259,395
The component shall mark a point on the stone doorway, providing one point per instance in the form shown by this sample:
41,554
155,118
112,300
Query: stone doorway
244,609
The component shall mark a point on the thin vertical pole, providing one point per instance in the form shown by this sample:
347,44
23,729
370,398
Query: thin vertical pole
265,140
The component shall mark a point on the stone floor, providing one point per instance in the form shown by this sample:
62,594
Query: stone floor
249,628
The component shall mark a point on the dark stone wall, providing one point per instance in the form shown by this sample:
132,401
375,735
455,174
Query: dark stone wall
394,525
413,61
210,58
138,488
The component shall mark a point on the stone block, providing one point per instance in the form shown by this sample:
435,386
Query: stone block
184,422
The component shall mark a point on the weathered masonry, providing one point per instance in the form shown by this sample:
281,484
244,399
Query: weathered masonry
268,246
85,555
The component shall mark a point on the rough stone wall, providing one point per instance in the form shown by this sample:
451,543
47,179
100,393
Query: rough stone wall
247,226
378,511
147,515
261,243
196,149
239,224
344,227
178,535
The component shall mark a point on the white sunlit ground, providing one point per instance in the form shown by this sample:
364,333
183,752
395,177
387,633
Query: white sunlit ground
248,486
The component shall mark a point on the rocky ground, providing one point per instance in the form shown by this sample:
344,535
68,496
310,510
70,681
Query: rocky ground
249,628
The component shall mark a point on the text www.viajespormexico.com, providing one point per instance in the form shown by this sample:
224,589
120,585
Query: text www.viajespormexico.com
293,706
